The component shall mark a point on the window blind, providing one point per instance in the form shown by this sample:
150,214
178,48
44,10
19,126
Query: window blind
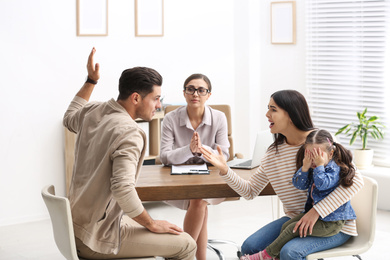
346,64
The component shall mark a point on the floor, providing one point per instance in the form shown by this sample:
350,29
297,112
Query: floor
232,220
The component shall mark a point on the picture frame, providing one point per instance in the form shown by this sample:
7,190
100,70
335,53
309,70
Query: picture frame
283,22
149,18
92,17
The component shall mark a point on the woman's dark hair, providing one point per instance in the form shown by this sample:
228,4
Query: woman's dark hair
138,80
198,76
341,155
294,103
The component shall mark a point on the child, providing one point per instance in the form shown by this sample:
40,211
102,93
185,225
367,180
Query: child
323,165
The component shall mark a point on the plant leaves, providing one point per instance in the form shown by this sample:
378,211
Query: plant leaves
353,138
378,131
373,118
364,139
364,129
364,112
342,129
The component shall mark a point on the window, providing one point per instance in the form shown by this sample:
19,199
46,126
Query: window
347,62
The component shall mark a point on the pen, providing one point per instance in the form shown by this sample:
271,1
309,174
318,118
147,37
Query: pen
193,170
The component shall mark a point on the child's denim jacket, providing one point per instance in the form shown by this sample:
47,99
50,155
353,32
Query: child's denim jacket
325,180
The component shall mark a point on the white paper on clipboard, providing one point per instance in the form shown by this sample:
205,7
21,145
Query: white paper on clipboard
189,169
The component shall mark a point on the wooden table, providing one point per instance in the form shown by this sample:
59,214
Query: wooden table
155,184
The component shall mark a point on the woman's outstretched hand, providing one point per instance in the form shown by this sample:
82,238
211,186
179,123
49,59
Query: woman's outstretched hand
218,160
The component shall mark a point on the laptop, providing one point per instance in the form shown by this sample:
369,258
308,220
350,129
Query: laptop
263,140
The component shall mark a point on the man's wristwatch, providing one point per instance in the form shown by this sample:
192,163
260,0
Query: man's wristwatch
88,80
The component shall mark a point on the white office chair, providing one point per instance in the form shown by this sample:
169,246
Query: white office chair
267,139
365,205
61,219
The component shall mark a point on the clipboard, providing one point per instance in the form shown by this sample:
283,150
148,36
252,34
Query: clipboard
190,169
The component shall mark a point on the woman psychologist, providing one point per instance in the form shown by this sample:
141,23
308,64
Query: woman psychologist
184,131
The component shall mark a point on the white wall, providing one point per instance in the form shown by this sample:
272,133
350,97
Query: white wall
42,65
262,68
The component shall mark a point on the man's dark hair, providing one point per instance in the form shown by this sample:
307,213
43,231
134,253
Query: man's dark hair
138,79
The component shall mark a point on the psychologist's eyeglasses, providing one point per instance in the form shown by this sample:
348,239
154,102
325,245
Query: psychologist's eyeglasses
201,91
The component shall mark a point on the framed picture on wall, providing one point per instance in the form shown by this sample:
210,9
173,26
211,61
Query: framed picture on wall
283,27
149,17
92,17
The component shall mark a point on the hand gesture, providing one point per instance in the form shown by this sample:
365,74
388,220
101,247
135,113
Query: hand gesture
307,160
318,157
93,71
195,144
218,160
306,223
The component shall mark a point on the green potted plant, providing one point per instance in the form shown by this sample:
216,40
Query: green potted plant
364,129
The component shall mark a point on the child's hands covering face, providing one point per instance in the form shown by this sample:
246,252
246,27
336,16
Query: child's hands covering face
318,157
307,159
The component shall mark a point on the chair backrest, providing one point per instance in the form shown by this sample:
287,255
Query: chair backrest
365,205
266,139
61,219
225,109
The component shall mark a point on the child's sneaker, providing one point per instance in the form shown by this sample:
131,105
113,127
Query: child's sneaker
250,257
263,255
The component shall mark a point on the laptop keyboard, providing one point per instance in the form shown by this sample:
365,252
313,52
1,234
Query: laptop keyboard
246,163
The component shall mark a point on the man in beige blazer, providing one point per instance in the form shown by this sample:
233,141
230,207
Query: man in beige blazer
108,217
